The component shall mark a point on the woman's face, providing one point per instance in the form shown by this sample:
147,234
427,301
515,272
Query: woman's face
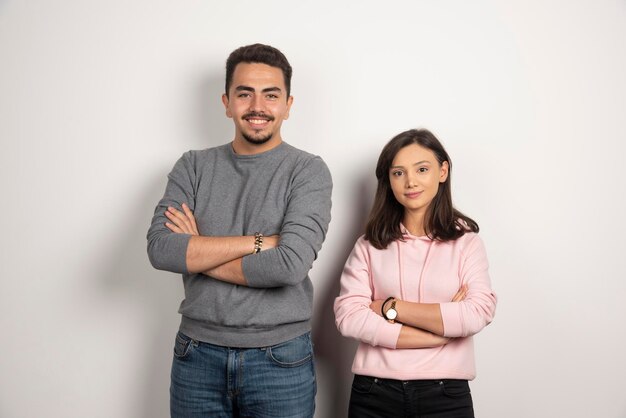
415,175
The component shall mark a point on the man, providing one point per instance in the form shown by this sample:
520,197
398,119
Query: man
243,222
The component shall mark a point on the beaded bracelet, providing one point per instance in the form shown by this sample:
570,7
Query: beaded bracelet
258,242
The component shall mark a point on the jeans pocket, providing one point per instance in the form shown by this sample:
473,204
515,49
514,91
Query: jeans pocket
182,345
292,353
455,388
363,384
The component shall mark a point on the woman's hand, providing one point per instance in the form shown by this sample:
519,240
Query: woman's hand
460,295
377,304
418,338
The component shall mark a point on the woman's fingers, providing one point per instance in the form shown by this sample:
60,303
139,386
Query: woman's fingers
460,295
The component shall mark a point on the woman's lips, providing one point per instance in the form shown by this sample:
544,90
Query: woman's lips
413,195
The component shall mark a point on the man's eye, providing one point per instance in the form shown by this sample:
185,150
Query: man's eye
244,95
272,96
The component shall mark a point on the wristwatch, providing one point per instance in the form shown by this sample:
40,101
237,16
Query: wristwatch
391,313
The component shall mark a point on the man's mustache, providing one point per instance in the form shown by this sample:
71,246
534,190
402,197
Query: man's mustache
259,115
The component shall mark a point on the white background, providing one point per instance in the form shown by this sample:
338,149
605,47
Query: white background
99,99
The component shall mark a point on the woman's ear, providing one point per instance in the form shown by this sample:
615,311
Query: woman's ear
443,172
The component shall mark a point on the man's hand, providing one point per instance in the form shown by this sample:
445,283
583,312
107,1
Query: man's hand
270,241
181,222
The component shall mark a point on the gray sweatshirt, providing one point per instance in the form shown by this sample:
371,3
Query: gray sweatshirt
283,191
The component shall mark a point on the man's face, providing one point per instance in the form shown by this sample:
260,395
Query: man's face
257,102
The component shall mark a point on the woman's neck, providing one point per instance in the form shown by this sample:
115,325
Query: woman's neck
414,223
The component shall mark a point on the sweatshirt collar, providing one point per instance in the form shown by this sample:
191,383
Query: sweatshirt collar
276,150
408,236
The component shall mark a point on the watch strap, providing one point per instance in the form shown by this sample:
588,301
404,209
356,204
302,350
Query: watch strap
382,308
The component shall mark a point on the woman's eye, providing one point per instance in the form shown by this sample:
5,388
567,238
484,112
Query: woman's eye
422,170
396,173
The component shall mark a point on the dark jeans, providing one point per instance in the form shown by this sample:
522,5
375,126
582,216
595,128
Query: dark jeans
372,397
221,382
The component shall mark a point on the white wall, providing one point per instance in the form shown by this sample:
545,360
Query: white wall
98,99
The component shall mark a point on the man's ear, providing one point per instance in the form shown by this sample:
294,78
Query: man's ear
289,103
225,102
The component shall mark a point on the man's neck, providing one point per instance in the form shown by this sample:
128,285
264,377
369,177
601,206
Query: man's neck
243,147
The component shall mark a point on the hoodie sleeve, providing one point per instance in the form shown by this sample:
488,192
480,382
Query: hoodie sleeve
476,311
353,316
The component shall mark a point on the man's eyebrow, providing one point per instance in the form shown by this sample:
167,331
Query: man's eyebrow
250,89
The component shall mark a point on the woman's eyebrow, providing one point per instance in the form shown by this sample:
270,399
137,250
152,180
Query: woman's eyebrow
417,163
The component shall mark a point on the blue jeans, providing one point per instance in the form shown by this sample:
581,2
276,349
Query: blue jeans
214,381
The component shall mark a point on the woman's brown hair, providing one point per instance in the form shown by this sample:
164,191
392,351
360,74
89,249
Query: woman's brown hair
442,221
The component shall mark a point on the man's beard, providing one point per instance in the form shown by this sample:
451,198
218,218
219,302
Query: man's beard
257,140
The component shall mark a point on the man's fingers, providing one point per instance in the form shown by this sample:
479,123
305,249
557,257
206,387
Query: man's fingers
192,219
173,228
178,218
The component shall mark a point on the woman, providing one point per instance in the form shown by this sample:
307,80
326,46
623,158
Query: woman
414,290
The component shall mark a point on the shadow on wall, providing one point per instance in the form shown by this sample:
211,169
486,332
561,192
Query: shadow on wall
208,116
333,352
159,293
156,295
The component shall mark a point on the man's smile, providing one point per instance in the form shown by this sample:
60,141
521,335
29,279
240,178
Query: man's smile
257,119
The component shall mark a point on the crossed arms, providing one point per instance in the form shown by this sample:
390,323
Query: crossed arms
175,244
218,257
418,325
422,324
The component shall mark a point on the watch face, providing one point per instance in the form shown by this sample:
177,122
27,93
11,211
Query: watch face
391,313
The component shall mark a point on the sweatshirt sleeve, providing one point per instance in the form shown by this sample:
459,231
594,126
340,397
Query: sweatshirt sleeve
168,250
303,231
353,315
476,311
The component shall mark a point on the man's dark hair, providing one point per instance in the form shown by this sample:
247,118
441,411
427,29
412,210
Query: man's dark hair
262,54
442,221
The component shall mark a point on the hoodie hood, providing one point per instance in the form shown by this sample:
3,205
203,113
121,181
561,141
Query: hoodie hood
406,235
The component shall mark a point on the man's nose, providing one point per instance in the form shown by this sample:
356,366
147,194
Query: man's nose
256,104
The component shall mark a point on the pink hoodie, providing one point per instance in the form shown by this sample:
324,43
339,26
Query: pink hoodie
417,270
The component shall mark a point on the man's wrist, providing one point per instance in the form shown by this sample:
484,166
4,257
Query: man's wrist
258,242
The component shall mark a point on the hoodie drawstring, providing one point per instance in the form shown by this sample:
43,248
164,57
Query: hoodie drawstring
421,275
